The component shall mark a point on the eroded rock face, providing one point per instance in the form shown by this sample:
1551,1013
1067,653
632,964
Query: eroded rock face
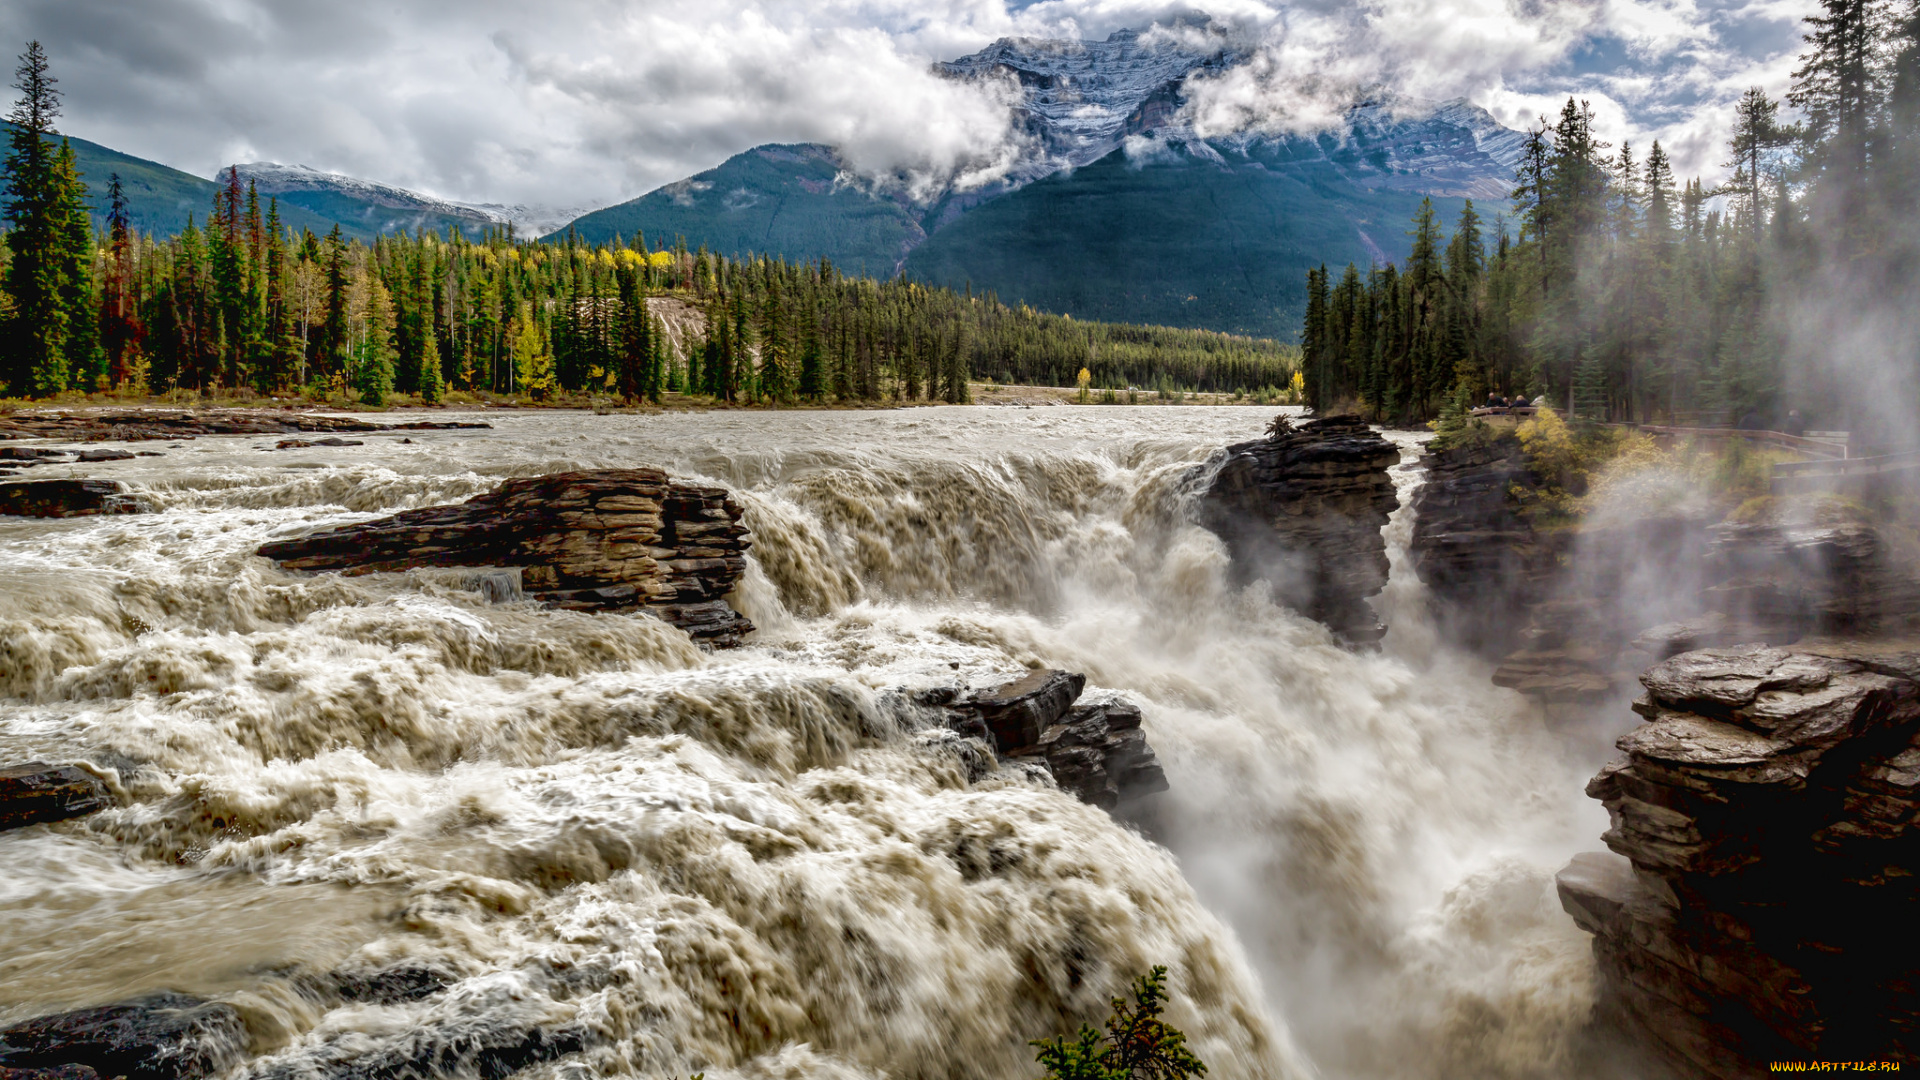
1482,562
37,792
608,540
1760,902
1304,510
67,498
1095,751
161,1037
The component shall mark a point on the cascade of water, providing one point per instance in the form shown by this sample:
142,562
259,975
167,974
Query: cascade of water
752,862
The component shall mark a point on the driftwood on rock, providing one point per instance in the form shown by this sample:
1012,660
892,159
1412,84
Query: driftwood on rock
1762,894
607,540
67,498
1304,509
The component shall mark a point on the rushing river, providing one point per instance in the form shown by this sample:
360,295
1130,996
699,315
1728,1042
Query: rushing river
751,862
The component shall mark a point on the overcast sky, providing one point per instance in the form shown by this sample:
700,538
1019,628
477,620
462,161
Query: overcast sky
588,102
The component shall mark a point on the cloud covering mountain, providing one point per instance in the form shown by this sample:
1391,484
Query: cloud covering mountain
589,101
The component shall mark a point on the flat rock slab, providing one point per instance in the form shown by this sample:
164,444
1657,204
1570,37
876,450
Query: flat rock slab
67,498
609,540
161,1037
1017,712
38,792
302,444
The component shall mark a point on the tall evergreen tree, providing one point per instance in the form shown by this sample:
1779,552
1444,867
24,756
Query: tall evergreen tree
36,335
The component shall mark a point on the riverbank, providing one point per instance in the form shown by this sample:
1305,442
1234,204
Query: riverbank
981,393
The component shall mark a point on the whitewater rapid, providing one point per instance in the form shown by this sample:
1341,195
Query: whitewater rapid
758,863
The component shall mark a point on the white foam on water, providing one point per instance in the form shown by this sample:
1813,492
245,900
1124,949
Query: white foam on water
754,863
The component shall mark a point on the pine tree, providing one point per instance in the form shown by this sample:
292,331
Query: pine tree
122,331
37,335
332,360
1838,89
86,363
373,362
1756,134
532,356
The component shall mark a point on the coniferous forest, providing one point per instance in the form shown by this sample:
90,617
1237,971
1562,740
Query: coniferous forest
240,302
1620,293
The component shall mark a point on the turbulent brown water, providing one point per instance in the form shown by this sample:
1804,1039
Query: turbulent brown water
756,863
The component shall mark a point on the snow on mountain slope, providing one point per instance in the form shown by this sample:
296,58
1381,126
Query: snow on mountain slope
387,207
1084,99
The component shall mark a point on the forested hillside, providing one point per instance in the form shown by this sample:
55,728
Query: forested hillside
158,198
1629,295
248,302
1181,240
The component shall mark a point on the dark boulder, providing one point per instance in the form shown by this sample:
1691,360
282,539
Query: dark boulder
105,455
1018,712
604,541
1096,752
66,498
302,444
58,1072
161,1037
37,792
1304,509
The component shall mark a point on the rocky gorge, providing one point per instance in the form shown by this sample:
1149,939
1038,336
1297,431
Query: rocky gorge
1753,904
473,688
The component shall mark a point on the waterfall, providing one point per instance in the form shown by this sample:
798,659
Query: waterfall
758,863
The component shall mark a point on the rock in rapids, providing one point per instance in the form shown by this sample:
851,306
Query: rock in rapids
605,540
1304,510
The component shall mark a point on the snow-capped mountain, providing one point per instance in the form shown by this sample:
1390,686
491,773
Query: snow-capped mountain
1116,208
385,208
1081,100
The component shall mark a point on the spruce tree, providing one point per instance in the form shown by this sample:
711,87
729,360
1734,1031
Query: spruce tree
1838,89
36,338
86,363
332,360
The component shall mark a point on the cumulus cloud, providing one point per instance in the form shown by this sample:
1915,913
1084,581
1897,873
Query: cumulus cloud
586,102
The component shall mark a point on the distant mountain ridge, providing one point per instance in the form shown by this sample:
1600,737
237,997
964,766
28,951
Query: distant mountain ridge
1190,231
382,208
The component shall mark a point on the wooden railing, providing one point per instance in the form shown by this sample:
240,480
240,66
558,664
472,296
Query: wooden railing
1825,447
1814,475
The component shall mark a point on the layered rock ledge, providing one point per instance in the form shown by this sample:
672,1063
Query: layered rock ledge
610,540
134,425
1304,509
37,792
1762,894
67,498
1094,751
